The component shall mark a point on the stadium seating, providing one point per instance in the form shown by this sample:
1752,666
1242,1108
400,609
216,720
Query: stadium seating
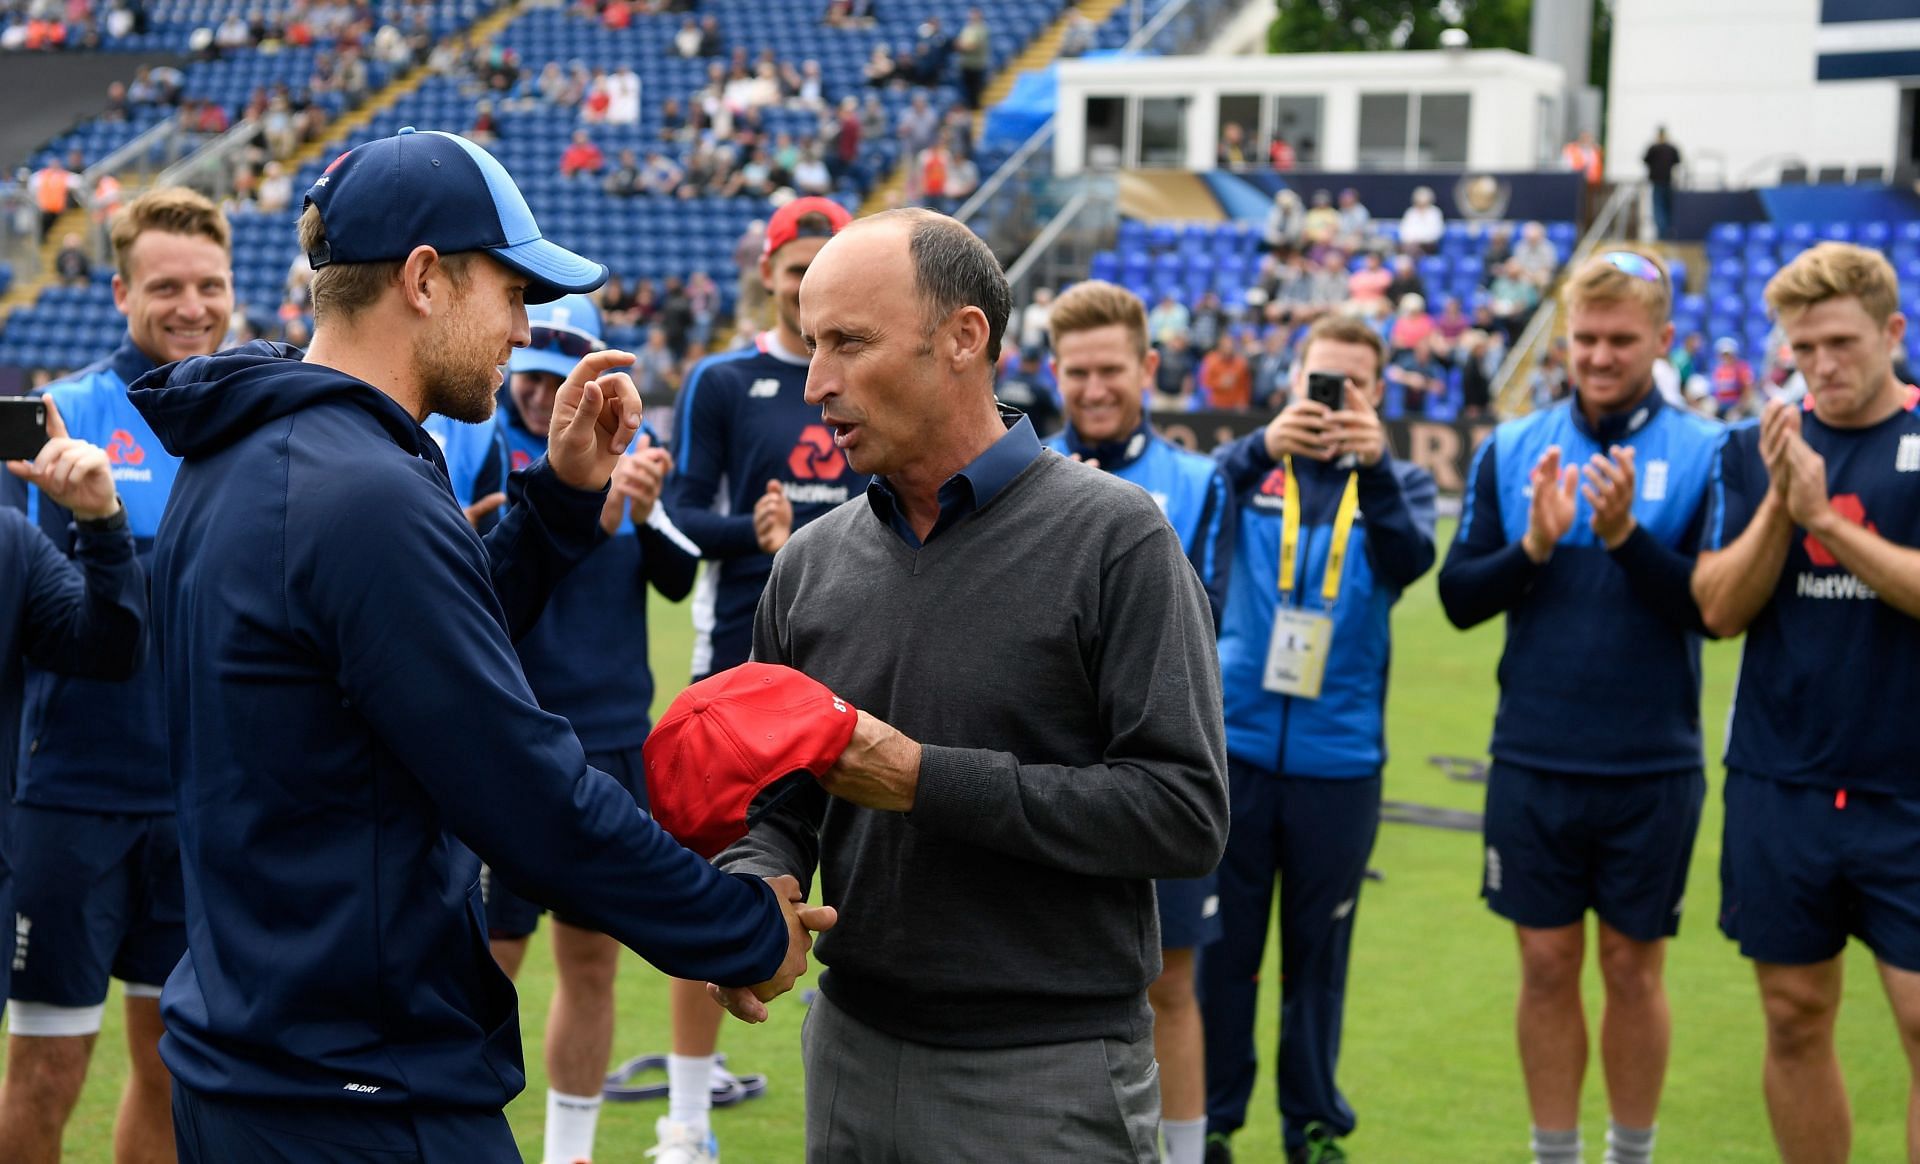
1741,257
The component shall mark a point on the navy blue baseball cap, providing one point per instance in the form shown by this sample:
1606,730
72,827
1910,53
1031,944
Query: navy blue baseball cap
380,200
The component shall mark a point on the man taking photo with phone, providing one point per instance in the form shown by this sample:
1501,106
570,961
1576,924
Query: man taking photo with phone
1331,530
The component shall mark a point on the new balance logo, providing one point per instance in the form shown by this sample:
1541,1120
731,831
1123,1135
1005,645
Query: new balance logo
764,389
1343,910
1493,869
360,1088
1907,458
22,926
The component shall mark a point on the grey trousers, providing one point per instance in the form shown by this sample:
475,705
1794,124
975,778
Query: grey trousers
875,1099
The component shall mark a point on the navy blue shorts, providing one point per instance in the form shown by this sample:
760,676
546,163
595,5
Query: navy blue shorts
1559,845
1803,867
511,916
209,1130
97,896
1189,911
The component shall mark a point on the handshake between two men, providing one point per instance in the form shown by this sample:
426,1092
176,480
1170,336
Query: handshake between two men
734,746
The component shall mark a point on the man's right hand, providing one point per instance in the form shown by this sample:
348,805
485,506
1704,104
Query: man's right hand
1779,424
72,473
1550,515
748,1003
773,518
1301,431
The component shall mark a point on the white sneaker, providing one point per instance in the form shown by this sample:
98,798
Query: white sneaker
683,1144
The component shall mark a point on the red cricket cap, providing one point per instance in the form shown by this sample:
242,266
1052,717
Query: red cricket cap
729,737
784,226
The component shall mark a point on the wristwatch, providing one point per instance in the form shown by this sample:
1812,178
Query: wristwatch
112,523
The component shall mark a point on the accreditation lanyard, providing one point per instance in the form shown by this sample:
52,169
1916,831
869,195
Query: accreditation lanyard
1343,519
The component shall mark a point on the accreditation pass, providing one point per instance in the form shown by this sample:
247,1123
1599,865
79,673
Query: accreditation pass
1297,655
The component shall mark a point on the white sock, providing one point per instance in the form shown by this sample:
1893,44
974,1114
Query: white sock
571,1120
1629,1145
1186,1140
1556,1147
690,1090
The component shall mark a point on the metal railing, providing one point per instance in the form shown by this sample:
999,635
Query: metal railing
19,233
1065,245
138,154
1510,383
210,168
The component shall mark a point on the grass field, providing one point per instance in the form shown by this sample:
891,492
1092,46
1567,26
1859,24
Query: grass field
1428,1063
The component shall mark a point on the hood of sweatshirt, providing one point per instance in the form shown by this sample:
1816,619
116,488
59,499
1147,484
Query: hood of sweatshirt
200,406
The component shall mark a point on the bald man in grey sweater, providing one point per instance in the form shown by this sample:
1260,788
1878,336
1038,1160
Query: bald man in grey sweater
1040,737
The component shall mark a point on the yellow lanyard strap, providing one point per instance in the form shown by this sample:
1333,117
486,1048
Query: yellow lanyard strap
1342,533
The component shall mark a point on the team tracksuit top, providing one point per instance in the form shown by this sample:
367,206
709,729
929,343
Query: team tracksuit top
742,420
1189,488
1601,672
1342,734
1829,671
349,726
87,744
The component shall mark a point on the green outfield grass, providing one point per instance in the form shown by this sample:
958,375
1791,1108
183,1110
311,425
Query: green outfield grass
1429,1059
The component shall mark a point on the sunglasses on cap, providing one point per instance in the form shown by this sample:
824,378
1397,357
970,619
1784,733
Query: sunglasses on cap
564,340
1639,266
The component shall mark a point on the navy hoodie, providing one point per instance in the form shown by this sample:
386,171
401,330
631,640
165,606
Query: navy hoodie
344,710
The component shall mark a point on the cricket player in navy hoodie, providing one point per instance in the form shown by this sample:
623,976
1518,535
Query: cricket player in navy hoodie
1105,369
96,862
347,720
1813,549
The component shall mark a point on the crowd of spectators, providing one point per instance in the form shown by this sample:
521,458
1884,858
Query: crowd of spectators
61,25
715,141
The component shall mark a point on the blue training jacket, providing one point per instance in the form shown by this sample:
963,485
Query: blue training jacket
87,744
349,727
741,421
1342,734
1601,672
1189,488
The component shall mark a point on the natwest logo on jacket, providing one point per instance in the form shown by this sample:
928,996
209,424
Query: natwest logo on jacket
126,456
123,449
814,457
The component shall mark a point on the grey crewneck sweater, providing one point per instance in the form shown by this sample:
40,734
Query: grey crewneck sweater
1054,656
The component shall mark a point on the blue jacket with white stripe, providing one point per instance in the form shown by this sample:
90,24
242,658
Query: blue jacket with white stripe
1190,489
1342,734
1601,673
